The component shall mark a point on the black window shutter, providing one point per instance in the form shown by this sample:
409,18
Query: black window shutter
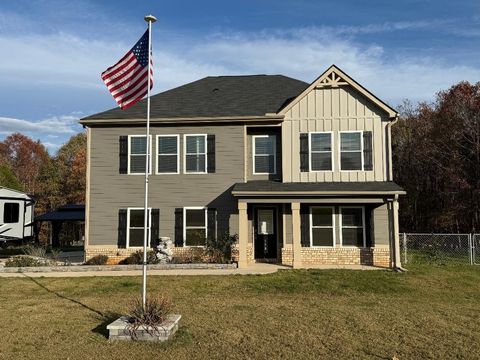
179,227
367,151
123,155
212,223
305,226
122,228
155,228
211,154
304,152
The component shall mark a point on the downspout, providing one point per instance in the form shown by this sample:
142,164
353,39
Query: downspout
389,134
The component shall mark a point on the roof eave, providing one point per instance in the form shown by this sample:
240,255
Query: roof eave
185,120
316,193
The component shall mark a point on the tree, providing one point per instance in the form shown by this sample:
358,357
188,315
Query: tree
8,178
25,158
437,160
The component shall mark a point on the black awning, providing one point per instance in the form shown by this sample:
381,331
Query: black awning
71,212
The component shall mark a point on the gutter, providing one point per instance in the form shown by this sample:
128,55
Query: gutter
186,120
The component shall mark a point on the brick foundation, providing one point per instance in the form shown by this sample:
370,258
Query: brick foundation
117,255
339,256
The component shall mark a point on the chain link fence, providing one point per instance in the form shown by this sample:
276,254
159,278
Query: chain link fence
440,248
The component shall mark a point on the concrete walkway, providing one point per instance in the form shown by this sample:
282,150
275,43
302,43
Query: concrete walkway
253,269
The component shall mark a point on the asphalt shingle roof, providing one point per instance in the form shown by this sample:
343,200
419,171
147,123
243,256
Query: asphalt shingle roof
275,186
216,96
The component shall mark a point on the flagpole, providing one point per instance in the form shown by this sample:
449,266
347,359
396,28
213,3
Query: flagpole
147,221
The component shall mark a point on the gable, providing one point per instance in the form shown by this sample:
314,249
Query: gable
336,94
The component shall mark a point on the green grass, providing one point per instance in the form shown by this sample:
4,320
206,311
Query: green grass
429,312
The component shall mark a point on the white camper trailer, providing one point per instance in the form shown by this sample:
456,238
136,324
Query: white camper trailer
16,215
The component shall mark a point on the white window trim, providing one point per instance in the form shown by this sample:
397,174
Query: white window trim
128,227
352,227
185,154
178,154
194,227
274,154
129,154
322,227
319,152
352,151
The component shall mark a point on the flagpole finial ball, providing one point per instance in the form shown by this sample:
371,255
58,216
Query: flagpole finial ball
150,18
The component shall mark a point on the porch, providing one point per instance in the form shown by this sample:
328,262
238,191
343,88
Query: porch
307,225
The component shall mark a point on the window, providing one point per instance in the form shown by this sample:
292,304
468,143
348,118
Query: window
11,213
137,151
320,151
135,227
264,154
195,154
322,226
167,154
195,226
352,220
351,151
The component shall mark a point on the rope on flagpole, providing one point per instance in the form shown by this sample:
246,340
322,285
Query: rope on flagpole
146,216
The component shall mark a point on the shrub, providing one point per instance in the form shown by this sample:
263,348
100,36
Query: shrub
24,261
137,258
220,250
97,260
35,251
152,315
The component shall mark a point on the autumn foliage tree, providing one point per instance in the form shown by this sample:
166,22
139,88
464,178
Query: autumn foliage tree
436,150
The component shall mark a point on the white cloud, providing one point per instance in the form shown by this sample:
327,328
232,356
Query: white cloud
64,124
65,60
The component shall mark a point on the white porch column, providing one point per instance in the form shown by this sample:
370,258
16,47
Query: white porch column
297,246
242,234
396,234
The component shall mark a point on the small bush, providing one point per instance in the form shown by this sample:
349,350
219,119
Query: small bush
24,261
137,258
97,260
155,312
36,251
220,250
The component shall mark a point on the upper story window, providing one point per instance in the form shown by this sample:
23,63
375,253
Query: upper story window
351,150
195,154
352,223
321,151
168,149
195,226
264,154
11,213
322,226
137,152
136,226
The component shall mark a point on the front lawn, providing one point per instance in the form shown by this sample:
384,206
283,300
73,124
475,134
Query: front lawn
429,312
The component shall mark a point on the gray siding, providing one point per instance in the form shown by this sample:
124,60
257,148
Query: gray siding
381,227
264,131
110,191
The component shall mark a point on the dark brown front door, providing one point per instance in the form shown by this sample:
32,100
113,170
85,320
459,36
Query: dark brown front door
265,233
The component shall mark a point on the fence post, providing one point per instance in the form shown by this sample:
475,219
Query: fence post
470,248
404,248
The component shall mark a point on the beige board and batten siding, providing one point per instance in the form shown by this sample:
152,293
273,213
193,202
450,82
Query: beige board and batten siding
111,191
334,109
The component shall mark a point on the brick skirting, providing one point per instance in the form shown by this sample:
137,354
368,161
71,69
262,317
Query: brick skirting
339,256
117,255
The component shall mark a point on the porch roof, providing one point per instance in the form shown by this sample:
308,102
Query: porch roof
274,188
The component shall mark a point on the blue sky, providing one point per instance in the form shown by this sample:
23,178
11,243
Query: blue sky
54,50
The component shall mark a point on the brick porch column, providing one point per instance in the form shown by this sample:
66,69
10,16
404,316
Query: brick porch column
242,234
297,246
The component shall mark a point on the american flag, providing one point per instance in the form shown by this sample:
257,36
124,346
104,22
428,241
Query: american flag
127,79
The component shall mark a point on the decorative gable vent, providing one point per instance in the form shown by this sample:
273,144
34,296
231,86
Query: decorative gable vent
332,80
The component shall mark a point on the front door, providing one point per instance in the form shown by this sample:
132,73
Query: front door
265,233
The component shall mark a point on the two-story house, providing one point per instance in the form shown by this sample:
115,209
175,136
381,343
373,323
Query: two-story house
301,172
